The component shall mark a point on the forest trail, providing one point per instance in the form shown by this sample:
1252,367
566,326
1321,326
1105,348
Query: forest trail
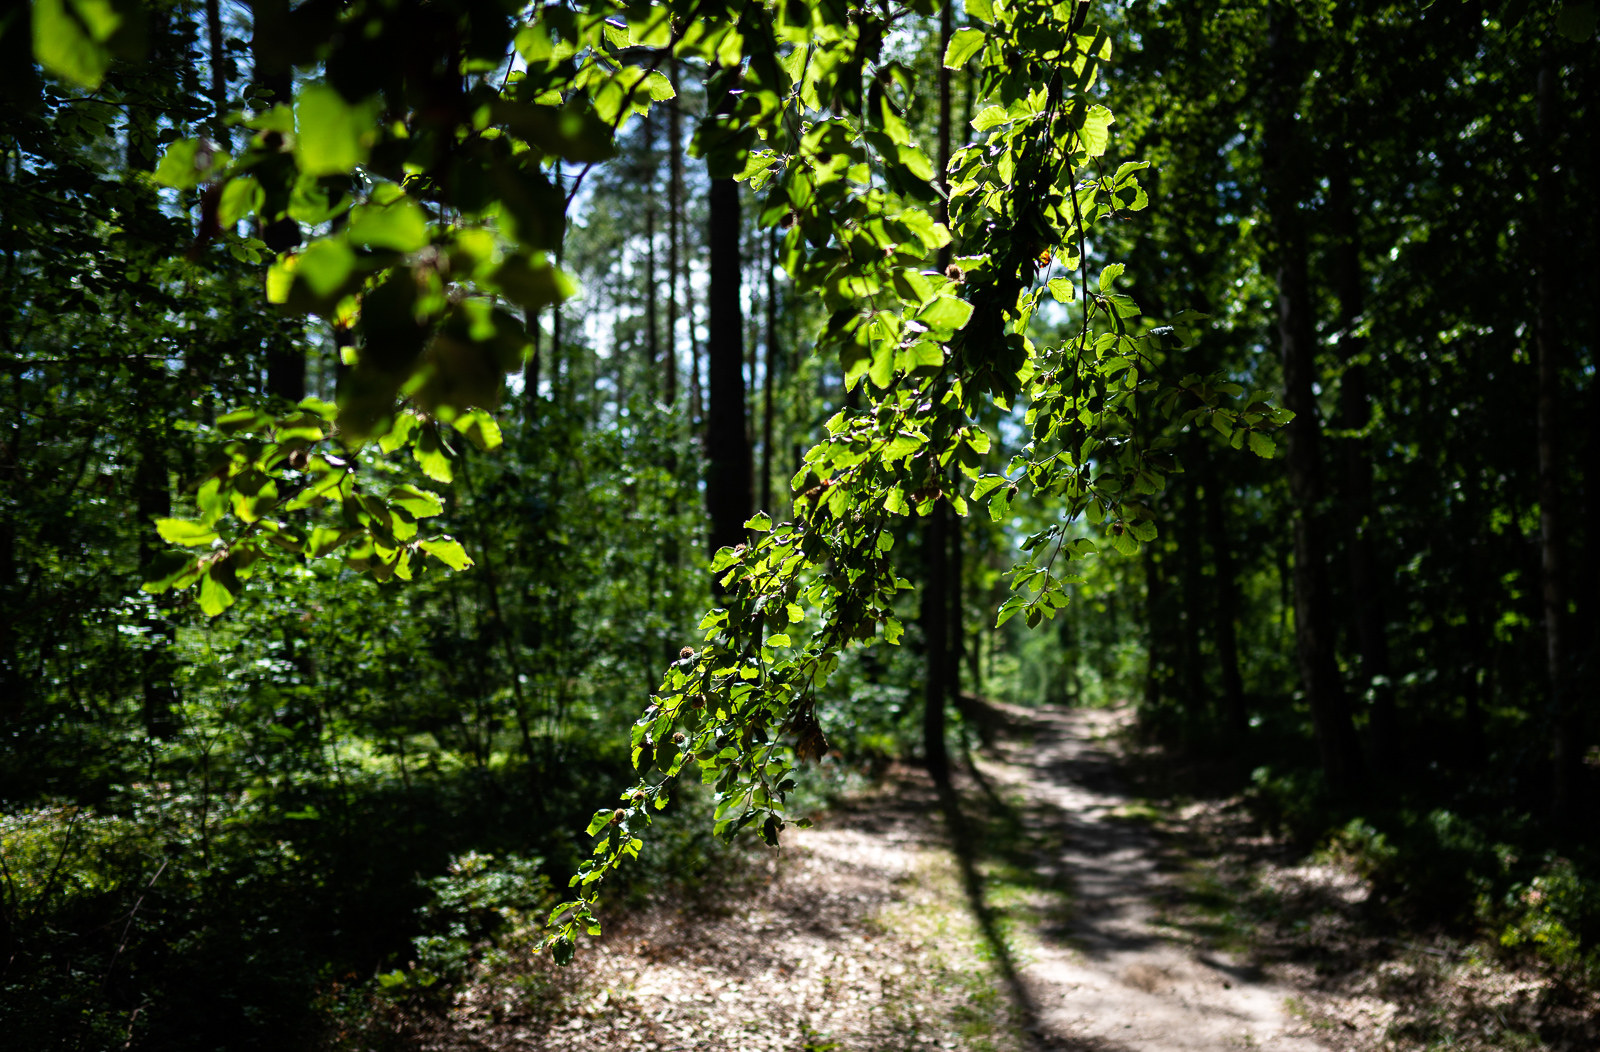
869,933
1111,977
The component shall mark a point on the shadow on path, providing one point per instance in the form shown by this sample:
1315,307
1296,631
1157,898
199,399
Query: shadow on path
1043,815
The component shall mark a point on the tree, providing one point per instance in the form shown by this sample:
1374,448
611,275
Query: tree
437,200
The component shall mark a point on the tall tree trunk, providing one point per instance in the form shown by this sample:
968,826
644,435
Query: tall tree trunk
652,343
14,691
271,72
1155,606
219,77
1225,589
1314,636
674,229
1191,557
1567,724
727,438
767,374
935,631
153,494
530,367
1355,412
936,602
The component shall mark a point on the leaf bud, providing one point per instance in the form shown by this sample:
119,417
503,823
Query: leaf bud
686,653
618,815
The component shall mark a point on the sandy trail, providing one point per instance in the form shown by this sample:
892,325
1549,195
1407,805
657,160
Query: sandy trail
869,934
1110,977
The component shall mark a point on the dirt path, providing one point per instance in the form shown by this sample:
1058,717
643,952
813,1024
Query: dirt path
869,933
1111,977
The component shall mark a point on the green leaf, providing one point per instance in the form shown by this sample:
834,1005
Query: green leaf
795,613
167,570
1112,272
989,117
324,267
241,197
219,586
481,429
71,38
186,164
1096,130
982,10
1061,289
659,87
420,503
186,532
945,312
431,456
400,225
447,551
761,522
1261,445
964,43
332,136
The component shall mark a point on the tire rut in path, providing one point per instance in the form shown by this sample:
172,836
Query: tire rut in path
1110,977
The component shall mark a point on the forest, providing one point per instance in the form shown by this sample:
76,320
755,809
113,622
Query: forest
479,477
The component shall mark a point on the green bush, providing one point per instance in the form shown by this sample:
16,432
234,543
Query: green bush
1556,915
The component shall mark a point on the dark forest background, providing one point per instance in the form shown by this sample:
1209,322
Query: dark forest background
238,831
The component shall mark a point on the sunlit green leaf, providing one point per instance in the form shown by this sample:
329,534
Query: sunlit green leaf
964,43
332,136
186,532
447,551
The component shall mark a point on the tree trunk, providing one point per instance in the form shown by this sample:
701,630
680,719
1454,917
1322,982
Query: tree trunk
766,376
935,631
674,229
1190,537
935,613
1226,590
219,77
286,363
727,439
153,493
1567,724
1155,603
1314,636
1360,516
652,343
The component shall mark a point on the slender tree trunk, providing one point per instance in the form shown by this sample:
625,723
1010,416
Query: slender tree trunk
1190,537
1361,521
286,362
14,691
727,437
1313,608
1226,591
530,368
1567,739
674,229
219,77
153,492
936,600
652,343
1155,605
935,630
767,374
697,400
